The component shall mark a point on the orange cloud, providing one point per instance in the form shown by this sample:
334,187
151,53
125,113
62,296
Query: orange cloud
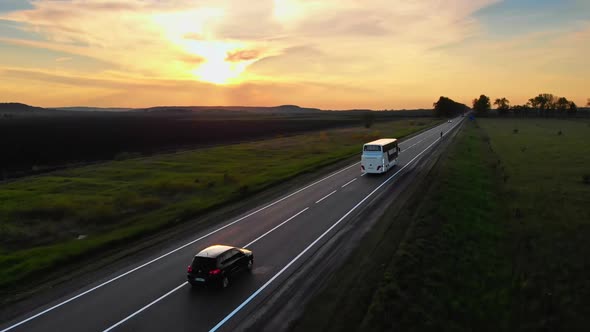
329,53
242,55
191,59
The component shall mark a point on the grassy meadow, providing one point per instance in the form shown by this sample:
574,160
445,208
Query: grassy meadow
495,240
57,218
545,166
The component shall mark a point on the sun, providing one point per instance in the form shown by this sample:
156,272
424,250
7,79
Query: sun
215,68
219,72
216,72
187,31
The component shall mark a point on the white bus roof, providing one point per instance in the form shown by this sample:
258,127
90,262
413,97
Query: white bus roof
382,141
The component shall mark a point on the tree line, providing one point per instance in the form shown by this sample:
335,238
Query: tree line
446,107
545,105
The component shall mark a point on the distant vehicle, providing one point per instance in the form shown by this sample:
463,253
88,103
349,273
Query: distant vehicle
450,121
379,156
215,265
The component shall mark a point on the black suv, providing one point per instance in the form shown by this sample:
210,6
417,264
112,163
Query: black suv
216,264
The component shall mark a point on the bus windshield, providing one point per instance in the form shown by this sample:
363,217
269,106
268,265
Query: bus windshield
372,148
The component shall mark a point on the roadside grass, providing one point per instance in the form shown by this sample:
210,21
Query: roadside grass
450,272
393,281
546,202
495,239
54,219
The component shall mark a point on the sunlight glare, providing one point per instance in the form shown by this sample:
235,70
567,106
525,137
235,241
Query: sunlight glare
187,31
215,69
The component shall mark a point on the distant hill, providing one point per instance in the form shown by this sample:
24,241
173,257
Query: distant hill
92,109
283,109
296,109
19,107
205,110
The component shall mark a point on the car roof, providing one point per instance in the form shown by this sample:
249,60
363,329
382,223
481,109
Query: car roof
213,251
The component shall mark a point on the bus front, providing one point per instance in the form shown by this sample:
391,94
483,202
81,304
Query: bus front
372,160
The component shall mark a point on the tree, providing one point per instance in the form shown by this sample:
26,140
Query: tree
562,105
443,107
481,105
533,103
588,102
551,104
447,107
545,103
572,108
503,105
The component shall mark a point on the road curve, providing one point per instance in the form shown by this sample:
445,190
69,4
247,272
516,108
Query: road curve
153,295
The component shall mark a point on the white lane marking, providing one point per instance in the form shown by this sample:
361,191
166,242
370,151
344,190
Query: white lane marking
185,245
419,135
363,174
413,145
147,306
420,141
259,290
284,268
328,195
184,283
277,226
170,252
422,133
349,182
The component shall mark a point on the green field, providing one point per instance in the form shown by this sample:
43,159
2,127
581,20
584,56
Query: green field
57,218
496,239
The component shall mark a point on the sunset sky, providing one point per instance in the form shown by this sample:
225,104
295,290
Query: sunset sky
331,54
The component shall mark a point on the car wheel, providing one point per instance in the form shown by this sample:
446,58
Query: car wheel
224,282
250,263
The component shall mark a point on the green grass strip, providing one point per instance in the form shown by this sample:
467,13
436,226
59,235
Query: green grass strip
50,220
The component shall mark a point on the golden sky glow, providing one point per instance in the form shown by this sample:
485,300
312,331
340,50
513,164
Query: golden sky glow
332,54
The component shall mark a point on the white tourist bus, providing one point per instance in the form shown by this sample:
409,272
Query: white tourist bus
379,156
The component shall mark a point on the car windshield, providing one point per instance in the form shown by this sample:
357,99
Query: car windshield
204,263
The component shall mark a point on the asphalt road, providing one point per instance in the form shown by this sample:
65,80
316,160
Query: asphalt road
153,295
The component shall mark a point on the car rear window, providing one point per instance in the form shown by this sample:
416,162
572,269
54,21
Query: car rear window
205,263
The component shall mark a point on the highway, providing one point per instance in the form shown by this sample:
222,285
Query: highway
153,295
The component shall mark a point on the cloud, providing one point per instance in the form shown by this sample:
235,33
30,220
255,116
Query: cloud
247,21
191,59
122,33
360,53
354,22
40,75
63,59
127,91
242,55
